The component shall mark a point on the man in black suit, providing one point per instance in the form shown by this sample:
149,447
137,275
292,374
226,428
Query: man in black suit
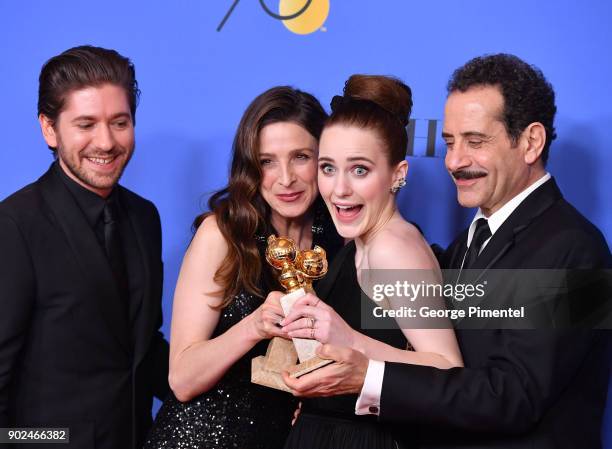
537,388
80,268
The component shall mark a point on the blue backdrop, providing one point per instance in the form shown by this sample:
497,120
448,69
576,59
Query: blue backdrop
196,82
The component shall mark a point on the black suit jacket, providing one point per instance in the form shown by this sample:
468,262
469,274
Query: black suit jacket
519,388
68,357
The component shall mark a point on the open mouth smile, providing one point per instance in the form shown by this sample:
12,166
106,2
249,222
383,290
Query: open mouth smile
348,212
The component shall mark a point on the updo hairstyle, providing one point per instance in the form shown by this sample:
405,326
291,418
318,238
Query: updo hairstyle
380,103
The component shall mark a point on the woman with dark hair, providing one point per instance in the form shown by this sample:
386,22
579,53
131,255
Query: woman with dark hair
362,166
220,320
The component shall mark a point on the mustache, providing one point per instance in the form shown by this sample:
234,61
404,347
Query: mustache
468,174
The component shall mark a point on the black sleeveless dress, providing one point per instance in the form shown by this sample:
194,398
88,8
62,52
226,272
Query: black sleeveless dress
236,413
331,422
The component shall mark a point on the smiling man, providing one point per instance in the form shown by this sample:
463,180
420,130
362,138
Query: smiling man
489,166
520,388
94,139
80,268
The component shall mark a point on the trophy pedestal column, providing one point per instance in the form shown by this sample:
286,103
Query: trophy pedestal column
282,354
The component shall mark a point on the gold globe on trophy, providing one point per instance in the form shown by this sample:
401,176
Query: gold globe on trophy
298,268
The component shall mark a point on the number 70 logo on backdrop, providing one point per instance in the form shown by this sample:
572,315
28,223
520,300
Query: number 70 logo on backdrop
298,16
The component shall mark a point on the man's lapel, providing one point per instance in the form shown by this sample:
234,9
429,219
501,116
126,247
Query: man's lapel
144,321
504,239
89,255
452,258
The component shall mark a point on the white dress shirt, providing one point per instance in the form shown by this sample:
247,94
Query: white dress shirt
368,402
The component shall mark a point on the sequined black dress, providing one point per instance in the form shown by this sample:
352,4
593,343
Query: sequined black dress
331,423
236,413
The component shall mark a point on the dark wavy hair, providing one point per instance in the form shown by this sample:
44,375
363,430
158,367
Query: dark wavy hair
528,96
377,102
81,67
240,210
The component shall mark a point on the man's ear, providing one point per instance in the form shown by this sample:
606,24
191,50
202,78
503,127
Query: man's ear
534,137
48,132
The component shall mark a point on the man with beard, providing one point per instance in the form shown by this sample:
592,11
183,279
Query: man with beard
531,388
80,268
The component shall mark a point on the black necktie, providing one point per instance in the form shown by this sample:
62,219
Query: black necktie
481,234
114,248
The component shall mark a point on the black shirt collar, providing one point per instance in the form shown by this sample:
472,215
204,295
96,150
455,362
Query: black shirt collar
89,202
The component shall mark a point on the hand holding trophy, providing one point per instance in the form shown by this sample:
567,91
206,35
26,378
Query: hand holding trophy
298,270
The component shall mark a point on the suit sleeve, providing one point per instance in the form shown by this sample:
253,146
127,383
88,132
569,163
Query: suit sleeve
17,292
160,354
508,394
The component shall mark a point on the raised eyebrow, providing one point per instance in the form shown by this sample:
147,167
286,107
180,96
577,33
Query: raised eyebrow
325,159
360,158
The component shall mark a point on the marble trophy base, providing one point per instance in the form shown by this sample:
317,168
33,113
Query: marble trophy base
282,354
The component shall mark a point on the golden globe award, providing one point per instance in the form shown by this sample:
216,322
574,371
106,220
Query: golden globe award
298,270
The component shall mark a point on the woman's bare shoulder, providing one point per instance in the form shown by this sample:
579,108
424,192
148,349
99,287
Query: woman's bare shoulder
401,246
208,239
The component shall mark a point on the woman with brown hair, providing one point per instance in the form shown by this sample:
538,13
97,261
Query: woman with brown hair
362,166
220,320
